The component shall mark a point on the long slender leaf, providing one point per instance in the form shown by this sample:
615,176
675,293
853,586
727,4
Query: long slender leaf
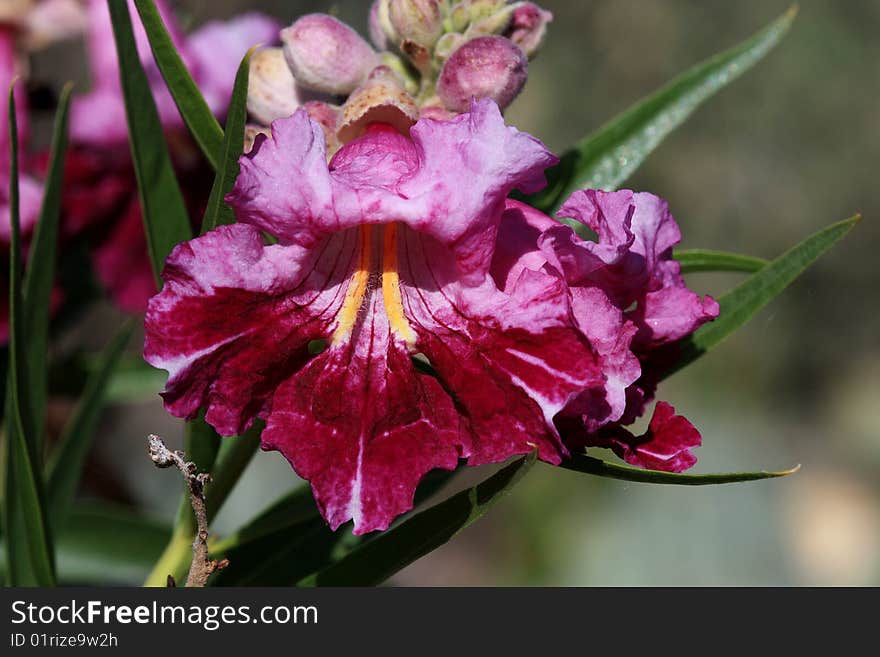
24,501
289,539
378,559
694,260
742,302
218,212
66,464
41,272
607,157
594,466
192,105
165,216
282,544
102,544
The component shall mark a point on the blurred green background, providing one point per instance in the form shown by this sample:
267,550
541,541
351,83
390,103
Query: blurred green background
789,148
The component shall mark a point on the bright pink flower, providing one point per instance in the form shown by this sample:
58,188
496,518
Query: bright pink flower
100,187
628,297
387,255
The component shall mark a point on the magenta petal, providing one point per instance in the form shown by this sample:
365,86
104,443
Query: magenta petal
512,360
631,262
122,262
671,313
30,199
234,320
363,427
666,445
522,230
449,181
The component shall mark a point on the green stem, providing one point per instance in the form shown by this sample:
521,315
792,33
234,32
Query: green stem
175,559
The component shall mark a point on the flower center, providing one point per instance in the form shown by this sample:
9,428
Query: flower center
377,260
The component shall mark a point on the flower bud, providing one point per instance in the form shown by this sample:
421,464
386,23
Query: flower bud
490,20
447,44
381,99
272,92
528,27
459,17
326,55
400,68
485,67
482,9
382,32
418,21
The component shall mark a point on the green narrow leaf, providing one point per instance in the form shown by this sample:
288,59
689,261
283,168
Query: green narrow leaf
65,466
377,560
695,260
24,499
607,157
742,302
218,212
289,540
103,544
41,272
165,216
594,466
282,544
106,544
192,105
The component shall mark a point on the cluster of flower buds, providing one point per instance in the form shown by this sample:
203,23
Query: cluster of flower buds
428,58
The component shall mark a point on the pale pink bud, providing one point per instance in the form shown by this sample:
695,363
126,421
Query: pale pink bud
418,21
272,92
485,67
528,27
382,33
326,55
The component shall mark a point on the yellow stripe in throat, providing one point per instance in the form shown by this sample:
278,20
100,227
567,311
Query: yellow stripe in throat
357,288
391,287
